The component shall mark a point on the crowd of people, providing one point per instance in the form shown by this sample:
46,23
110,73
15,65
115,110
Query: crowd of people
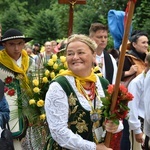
74,97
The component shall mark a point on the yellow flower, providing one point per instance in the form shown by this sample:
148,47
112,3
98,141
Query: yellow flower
65,65
61,70
40,103
50,62
55,66
54,57
36,90
42,117
52,75
62,59
31,101
35,82
46,72
45,80
97,68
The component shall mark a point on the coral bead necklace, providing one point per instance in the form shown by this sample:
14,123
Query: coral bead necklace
91,89
95,112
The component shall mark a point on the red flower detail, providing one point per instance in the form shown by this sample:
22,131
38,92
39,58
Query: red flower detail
121,115
123,89
6,89
11,92
121,108
110,89
129,96
8,80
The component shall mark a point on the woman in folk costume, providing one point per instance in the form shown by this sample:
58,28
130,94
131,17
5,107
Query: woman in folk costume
73,101
14,66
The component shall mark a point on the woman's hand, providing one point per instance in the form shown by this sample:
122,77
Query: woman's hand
133,69
102,147
110,126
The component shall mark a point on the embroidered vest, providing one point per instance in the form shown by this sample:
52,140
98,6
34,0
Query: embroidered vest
12,91
108,67
79,118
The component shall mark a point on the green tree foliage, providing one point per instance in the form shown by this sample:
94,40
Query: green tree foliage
44,27
61,13
141,17
15,22
15,16
83,20
27,15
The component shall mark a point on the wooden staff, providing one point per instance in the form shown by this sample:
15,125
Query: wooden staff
72,3
120,65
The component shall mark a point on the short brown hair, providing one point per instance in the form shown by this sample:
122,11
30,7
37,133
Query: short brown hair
97,26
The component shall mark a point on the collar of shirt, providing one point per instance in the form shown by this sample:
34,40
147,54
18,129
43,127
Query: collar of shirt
18,62
99,58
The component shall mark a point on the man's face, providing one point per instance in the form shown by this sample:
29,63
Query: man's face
14,47
48,47
101,38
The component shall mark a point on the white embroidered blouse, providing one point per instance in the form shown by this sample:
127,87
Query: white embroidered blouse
57,110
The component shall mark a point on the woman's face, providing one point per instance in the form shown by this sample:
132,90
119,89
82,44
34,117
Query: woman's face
141,45
80,58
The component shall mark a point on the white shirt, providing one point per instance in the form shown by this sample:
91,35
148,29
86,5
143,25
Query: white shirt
57,110
147,104
32,66
100,59
137,104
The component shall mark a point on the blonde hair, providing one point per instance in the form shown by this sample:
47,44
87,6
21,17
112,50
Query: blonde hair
82,38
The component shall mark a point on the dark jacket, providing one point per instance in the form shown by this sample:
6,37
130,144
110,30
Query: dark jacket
4,112
137,58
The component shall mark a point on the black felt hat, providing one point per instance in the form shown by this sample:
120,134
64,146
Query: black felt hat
1,89
12,34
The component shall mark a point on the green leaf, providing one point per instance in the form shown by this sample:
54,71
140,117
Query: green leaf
116,121
105,101
113,115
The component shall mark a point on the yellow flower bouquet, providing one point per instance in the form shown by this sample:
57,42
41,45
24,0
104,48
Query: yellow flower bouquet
33,100
38,85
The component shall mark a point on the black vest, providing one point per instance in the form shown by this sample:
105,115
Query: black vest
108,66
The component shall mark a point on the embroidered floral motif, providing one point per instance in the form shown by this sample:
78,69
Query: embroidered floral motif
72,100
10,86
78,121
81,126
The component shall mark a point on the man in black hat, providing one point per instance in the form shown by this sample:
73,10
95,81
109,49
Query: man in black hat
14,66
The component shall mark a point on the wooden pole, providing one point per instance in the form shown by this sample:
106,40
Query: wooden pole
72,3
120,65
70,26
